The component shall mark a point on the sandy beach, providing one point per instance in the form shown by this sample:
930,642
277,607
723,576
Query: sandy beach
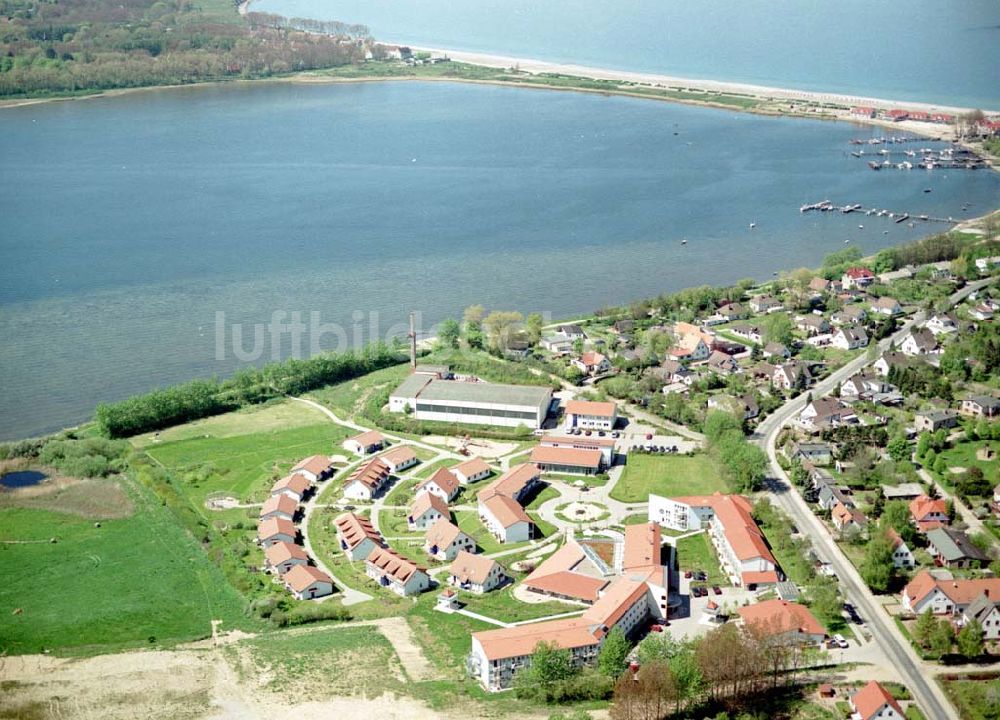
541,66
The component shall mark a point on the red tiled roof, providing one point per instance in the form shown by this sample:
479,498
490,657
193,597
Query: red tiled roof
471,467
442,533
872,698
573,457
301,577
642,546
371,474
316,464
568,584
369,438
780,616
279,503
393,564
353,529
282,551
275,526
468,567
589,407
297,483
426,501
444,479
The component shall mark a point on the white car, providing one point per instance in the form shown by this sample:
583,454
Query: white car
840,641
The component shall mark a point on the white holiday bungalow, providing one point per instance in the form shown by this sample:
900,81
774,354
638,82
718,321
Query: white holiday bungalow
500,507
426,509
444,540
279,506
472,470
357,536
306,582
476,573
315,468
849,338
367,480
281,557
443,483
275,530
394,572
294,486
874,702
365,443
399,458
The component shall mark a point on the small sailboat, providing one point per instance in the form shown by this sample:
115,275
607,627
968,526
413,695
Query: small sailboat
753,225
684,241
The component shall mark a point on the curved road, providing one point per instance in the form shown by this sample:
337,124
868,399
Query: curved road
896,647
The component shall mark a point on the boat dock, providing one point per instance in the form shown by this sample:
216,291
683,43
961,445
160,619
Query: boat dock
898,217
925,158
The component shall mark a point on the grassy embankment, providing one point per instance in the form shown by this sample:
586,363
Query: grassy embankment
669,475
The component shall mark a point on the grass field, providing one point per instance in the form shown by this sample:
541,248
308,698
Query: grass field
695,552
963,455
429,469
502,605
133,581
326,661
975,699
243,465
668,475
345,398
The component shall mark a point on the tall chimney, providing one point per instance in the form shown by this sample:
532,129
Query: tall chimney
413,344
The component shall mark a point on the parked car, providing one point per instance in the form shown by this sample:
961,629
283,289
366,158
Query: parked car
840,641
649,436
687,574
656,627
716,589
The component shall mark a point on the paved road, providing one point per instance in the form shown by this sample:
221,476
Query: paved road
896,647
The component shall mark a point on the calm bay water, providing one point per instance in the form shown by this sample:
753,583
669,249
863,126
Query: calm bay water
922,50
128,223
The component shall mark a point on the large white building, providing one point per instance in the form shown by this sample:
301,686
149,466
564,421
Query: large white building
743,552
478,403
590,415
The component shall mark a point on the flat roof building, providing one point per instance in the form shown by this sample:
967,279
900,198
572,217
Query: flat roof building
466,402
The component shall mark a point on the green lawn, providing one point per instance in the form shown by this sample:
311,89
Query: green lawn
668,475
695,552
975,699
345,398
339,660
502,605
392,523
243,466
401,493
963,455
427,470
138,581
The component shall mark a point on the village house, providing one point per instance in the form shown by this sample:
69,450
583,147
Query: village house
722,364
791,375
857,278
893,359
874,702
819,285
928,513
903,491
280,557
367,480
306,582
357,536
984,611
869,387
476,573
848,519
886,306
933,420
518,349
279,506
849,338
591,415
623,327
867,113
572,331
747,332
830,496
985,264
942,324
776,350
762,304
902,556
444,540
443,483
294,486
743,553
828,412
783,622
425,510
918,342
690,348
675,373
275,530
981,312
399,458
953,549
315,468
592,363
946,596
850,315
733,311
812,324
499,503
558,344
818,453
980,406
472,470
365,443
395,572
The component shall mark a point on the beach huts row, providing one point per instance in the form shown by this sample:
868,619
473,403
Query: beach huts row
278,535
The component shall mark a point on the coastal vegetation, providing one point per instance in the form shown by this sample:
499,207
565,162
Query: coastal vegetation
75,46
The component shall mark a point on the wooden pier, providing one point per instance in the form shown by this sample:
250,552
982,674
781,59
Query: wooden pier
898,217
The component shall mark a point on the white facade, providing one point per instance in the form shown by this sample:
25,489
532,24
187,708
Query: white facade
591,422
416,583
357,490
902,557
447,553
423,521
677,515
493,580
519,531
